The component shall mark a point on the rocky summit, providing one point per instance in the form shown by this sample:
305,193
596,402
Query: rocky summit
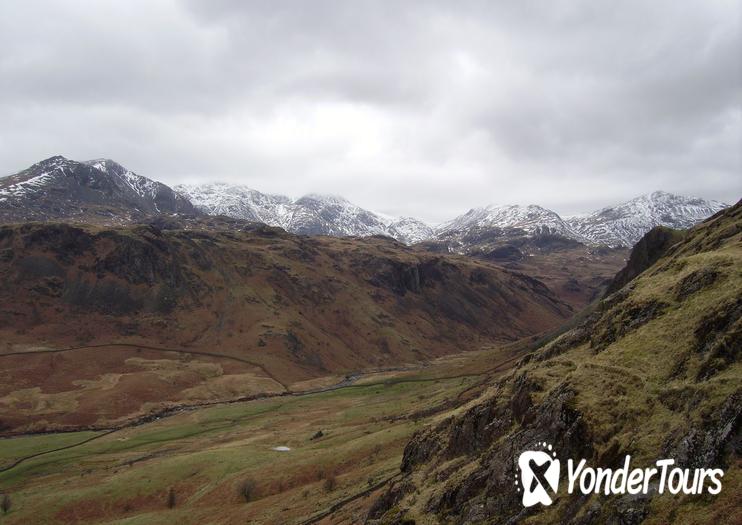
624,224
98,191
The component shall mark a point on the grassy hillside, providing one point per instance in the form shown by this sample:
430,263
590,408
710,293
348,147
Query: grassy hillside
654,372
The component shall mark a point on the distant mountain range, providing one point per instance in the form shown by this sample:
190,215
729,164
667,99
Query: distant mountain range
104,191
616,226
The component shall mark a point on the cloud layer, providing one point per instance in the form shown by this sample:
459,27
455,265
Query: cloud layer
407,108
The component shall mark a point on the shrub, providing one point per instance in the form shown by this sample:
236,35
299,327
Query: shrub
171,498
247,490
330,483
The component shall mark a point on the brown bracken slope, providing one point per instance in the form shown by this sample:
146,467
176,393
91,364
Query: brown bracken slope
272,310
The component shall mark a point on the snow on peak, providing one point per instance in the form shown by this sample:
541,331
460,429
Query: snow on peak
320,214
328,199
142,186
410,230
626,223
59,187
34,179
316,214
237,201
312,214
532,219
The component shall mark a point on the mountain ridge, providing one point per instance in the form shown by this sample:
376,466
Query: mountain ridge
103,190
621,225
311,214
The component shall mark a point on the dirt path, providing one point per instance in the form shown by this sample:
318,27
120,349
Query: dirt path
155,349
343,502
26,458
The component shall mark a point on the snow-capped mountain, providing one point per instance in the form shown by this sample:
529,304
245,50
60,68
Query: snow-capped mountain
626,223
498,231
410,230
531,219
333,215
152,193
310,215
617,226
95,191
239,202
479,228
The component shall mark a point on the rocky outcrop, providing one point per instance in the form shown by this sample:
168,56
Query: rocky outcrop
621,320
695,282
107,271
507,252
719,338
487,491
709,443
653,245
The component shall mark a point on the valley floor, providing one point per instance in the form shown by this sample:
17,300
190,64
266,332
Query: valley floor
218,464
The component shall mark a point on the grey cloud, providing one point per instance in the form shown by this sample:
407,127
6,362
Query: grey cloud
415,108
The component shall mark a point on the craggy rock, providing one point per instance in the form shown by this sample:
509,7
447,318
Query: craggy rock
391,497
103,296
694,282
719,337
402,277
398,277
504,253
655,243
488,492
521,402
618,322
49,286
471,433
34,267
109,271
140,260
422,446
572,338
63,240
704,445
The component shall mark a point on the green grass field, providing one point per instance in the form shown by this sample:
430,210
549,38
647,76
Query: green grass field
205,456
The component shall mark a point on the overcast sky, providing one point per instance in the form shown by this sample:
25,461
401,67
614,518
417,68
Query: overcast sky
407,108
